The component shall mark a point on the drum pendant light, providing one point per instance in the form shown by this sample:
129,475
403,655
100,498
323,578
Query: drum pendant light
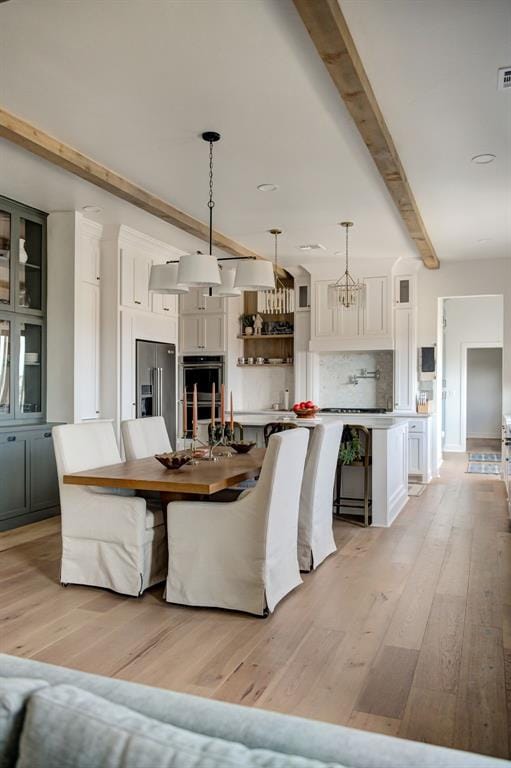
257,274
163,279
201,269
227,289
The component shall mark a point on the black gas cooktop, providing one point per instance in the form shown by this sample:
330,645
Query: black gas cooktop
354,410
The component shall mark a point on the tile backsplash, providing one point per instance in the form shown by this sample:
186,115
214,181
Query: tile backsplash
336,390
262,386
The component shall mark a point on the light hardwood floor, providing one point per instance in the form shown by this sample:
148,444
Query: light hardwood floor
406,630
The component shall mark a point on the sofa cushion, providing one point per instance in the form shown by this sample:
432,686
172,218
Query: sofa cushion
14,693
71,728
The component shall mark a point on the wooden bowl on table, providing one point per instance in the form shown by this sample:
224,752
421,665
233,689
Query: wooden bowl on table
173,460
306,413
242,447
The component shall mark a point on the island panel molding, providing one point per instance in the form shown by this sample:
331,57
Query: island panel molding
330,34
33,139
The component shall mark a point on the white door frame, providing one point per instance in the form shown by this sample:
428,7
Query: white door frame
465,346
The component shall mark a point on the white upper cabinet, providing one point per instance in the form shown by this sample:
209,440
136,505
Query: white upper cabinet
195,301
203,333
376,306
164,304
88,350
214,333
135,269
404,290
405,360
324,319
365,326
89,259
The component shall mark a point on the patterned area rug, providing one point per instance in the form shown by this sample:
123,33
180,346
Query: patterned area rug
416,489
484,456
483,468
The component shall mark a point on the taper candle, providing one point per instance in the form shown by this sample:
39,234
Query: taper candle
213,404
222,405
185,421
194,412
232,419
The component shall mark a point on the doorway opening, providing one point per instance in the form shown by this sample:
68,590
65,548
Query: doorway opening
470,372
483,398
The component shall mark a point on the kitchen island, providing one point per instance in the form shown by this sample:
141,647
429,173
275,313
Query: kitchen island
389,437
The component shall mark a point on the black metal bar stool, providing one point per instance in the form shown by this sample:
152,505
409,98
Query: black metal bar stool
273,427
361,434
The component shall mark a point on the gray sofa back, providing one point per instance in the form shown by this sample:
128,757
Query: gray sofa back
253,728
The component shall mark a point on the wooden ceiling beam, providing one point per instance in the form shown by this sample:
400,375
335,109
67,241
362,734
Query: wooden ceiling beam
330,34
25,135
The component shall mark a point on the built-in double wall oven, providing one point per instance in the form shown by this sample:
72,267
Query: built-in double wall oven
204,371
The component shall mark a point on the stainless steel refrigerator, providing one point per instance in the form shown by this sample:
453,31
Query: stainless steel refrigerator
156,383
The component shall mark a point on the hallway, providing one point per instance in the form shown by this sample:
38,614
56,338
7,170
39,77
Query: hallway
405,630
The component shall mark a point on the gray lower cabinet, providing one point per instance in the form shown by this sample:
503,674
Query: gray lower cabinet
28,476
14,463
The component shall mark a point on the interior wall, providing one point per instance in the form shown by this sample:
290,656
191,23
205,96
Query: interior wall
484,392
466,278
469,320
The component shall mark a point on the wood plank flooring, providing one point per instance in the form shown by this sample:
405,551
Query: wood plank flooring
405,631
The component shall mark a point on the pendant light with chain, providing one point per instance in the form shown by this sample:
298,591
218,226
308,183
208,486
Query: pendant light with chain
201,269
345,293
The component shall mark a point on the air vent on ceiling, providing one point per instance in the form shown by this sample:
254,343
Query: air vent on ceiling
312,247
504,78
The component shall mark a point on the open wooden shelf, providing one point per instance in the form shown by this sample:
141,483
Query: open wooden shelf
267,336
264,365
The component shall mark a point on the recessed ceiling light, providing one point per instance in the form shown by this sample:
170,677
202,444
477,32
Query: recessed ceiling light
91,209
483,159
312,247
484,240
267,187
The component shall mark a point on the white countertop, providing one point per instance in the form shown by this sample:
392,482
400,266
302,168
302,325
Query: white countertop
260,418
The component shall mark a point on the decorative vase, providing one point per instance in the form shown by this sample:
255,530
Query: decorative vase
23,253
249,330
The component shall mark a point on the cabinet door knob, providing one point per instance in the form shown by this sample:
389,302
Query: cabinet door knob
11,438
165,309
47,434
97,278
137,302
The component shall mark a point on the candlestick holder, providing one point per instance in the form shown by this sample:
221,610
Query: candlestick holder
215,438
193,447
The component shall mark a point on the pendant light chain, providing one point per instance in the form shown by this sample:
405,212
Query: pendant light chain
211,202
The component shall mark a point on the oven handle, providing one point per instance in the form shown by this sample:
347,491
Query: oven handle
199,366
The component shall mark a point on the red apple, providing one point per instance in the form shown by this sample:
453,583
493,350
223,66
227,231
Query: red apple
309,404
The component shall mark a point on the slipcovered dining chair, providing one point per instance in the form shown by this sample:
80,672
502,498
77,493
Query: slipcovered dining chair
145,437
315,534
241,555
109,537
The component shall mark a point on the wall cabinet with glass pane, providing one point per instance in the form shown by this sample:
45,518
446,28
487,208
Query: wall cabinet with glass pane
28,476
22,258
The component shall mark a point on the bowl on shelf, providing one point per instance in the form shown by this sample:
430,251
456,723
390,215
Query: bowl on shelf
173,460
275,360
244,446
306,413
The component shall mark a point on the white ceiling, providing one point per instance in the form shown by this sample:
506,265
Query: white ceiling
433,67
133,83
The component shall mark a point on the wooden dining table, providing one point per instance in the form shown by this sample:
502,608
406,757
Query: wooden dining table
187,483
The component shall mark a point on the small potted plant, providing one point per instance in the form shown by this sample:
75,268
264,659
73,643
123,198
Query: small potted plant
350,451
247,325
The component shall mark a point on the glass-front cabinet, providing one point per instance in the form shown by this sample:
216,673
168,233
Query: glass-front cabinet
5,368
21,367
22,306
5,258
22,258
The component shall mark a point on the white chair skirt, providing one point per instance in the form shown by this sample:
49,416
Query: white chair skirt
125,568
